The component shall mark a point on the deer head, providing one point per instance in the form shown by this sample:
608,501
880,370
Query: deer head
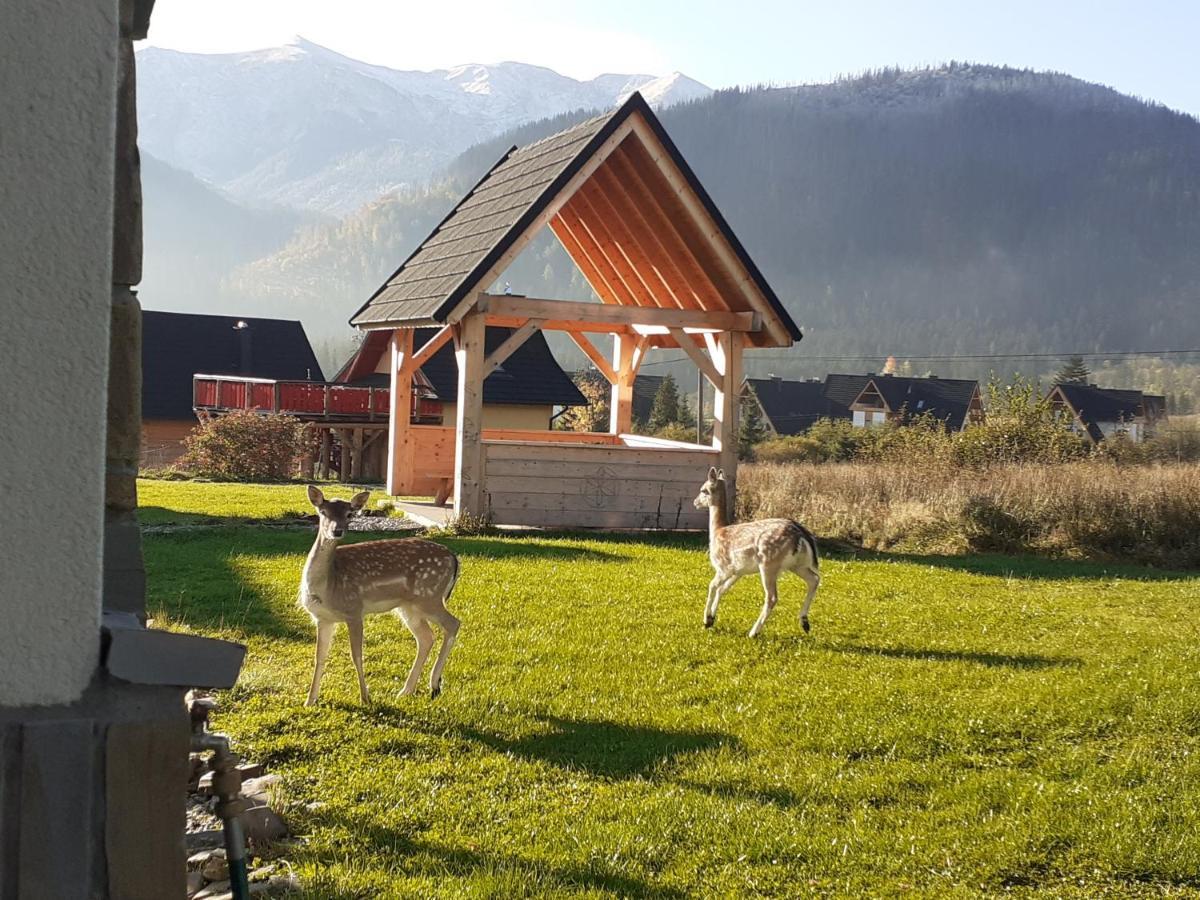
712,491
335,514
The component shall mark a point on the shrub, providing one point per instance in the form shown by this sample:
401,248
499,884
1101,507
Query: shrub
1022,426
794,448
674,431
244,446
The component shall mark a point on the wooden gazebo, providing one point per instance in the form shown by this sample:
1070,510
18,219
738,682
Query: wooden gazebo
669,272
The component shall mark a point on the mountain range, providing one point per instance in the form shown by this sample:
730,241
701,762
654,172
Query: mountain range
304,127
947,210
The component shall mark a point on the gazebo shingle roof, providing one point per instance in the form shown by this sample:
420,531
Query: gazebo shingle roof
474,237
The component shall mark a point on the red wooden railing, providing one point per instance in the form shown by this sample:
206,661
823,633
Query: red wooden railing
305,399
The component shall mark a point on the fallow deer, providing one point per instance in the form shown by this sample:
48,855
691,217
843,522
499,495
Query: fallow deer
768,546
345,584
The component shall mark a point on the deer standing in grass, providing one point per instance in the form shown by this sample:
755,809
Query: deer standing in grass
768,546
345,584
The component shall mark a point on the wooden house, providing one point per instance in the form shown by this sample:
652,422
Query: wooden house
668,271
1102,412
177,346
954,402
792,407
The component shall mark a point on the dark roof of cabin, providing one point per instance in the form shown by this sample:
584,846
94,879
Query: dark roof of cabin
531,376
486,223
946,399
793,406
645,389
1096,405
176,346
842,390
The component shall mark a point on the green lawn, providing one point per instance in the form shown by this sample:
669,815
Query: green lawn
208,502
952,727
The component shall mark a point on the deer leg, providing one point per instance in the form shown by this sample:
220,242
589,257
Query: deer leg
355,627
424,635
722,585
324,639
770,581
449,623
813,579
710,604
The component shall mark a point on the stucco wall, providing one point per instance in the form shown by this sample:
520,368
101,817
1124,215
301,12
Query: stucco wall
56,187
503,415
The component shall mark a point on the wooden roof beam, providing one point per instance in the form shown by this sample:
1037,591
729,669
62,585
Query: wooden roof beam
703,363
432,346
511,343
583,261
672,220
598,359
701,219
621,246
629,316
610,177
597,255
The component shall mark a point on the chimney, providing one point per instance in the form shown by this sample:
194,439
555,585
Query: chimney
245,357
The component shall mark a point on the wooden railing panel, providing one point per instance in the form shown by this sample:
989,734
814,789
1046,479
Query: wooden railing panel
556,485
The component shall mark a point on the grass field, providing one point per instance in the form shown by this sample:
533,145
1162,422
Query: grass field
952,726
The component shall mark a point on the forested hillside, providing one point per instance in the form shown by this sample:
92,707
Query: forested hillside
963,209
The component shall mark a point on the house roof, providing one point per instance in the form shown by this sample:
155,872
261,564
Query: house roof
946,399
531,376
176,346
842,390
1095,405
792,406
626,199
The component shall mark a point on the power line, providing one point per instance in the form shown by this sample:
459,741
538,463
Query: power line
793,357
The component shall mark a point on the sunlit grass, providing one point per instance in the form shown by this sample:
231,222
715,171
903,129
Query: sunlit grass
192,502
952,727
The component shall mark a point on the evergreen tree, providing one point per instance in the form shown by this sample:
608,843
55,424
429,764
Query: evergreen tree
1075,371
751,431
665,410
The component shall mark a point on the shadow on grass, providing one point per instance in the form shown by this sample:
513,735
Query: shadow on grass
601,748
424,860
507,547
1031,567
982,658
193,579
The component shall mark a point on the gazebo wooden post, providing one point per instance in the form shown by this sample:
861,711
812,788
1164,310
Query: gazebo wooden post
620,418
400,413
468,426
726,351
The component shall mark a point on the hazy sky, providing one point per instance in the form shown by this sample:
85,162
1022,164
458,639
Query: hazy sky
1149,48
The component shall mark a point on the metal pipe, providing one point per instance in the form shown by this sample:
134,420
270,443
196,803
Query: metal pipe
227,786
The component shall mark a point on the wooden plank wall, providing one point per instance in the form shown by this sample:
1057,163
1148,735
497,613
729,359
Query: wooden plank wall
595,487
433,451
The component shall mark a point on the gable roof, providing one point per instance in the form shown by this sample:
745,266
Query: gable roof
1096,405
531,376
946,399
792,406
842,390
525,188
176,346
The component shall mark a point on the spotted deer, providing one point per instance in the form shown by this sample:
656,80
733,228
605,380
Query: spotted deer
768,546
345,584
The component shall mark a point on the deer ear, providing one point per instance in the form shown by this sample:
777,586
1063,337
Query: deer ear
315,497
712,473
360,500
720,474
